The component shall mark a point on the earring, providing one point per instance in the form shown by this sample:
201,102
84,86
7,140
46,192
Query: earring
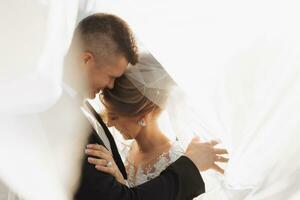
142,123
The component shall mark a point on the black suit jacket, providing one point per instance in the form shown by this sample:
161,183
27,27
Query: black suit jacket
180,181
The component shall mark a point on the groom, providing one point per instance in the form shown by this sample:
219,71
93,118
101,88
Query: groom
100,51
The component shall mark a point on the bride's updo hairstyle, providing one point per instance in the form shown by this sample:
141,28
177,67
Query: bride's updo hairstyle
139,90
125,99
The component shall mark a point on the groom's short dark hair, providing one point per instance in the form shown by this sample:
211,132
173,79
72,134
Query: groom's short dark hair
106,34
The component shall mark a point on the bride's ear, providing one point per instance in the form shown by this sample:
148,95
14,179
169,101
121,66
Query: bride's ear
142,120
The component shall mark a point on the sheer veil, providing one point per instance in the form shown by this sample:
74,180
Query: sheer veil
154,82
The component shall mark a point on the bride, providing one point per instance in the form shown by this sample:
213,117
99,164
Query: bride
133,107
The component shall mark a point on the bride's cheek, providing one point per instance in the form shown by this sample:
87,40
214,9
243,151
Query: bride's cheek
124,134
127,133
122,131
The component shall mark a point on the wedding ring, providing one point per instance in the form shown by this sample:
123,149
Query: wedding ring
109,164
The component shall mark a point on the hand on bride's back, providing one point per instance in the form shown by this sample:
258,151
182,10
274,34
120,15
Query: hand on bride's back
205,155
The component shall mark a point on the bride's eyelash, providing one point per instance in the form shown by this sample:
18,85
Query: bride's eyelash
113,117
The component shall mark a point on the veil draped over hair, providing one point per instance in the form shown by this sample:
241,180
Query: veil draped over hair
155,83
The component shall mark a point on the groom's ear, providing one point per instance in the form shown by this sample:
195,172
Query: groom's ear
87,57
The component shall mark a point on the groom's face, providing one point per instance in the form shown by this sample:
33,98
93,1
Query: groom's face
102,75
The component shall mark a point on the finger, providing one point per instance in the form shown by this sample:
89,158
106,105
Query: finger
205,143
104,149
92,145
95,161
217,168
98,147
95,146
196,139
214,142
220,151
221,159
98,154
108,170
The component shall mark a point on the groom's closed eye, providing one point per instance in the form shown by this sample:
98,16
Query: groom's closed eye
113,78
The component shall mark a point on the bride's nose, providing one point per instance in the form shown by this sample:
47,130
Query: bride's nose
109,123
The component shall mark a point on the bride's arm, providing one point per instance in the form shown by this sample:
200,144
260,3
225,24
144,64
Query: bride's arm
103,161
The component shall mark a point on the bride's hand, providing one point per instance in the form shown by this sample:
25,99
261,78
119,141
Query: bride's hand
104,161
205,155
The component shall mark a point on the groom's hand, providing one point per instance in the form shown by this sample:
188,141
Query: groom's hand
204,155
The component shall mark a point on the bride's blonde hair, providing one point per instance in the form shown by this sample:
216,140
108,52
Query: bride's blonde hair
143,88
126,100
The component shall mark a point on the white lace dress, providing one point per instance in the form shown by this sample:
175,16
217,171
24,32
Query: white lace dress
139,175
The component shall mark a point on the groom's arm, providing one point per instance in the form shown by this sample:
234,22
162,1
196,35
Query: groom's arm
179,181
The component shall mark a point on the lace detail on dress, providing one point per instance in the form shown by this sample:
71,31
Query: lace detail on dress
140,176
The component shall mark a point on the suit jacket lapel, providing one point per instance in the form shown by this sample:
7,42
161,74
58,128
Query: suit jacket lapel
112,142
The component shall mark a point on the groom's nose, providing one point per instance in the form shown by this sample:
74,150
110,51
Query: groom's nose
111,84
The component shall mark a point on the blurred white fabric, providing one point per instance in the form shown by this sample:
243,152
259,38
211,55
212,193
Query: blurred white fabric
35,36
237,61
